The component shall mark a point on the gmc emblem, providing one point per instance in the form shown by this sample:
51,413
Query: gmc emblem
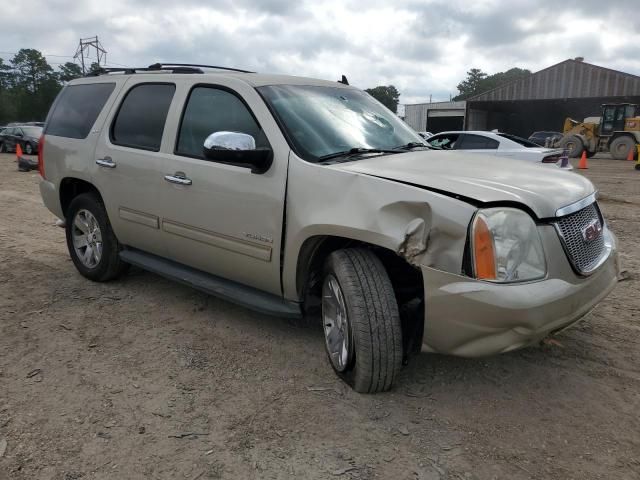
592,231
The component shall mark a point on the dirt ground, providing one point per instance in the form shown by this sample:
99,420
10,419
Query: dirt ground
144,378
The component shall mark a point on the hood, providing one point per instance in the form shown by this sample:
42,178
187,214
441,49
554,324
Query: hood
481,178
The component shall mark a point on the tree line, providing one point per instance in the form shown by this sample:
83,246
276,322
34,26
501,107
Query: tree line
28,85
478,82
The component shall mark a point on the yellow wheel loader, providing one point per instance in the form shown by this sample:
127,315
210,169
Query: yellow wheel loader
616,131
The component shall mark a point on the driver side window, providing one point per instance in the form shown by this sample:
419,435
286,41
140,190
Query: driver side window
446,142
209,110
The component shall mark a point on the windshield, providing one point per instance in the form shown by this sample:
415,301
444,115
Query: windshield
34,132
522,141
321,121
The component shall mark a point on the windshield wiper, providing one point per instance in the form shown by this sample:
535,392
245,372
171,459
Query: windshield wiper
411,146
355,151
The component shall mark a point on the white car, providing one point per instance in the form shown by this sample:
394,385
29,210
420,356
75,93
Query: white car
499,144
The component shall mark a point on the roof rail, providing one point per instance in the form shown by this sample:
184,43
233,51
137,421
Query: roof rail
159,66
170,67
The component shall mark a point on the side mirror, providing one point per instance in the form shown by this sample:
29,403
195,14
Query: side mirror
237,149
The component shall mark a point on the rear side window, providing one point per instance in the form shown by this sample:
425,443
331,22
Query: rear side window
140,121
76,109
446,142
476,142
211,110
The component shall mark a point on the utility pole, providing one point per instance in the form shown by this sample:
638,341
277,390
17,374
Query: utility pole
85,46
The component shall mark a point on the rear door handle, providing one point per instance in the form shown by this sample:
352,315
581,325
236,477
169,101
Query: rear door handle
106,162
178,178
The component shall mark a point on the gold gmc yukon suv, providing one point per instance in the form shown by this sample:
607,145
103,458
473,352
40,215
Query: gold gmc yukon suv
292,195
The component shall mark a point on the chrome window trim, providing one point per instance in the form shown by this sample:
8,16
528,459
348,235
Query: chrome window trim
579,205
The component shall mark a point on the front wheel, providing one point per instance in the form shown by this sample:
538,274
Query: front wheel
573,144
361,322
28,148
93,247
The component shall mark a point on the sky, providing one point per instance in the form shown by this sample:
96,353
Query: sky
424,48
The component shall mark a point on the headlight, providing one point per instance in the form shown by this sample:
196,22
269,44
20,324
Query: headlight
506,246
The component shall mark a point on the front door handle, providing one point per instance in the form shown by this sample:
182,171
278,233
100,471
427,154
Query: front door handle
106,162
178,178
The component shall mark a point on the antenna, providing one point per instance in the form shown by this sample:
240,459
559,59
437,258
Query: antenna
85,46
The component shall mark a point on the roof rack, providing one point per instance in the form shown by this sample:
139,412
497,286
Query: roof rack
169,67
197,65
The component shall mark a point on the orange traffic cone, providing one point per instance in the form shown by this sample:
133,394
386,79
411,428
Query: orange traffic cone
583,161
631,155
18,152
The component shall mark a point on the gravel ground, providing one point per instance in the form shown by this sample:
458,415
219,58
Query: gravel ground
144,378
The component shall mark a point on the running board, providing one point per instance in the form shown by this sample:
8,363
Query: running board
231,291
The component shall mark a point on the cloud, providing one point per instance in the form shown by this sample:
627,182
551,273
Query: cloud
423,47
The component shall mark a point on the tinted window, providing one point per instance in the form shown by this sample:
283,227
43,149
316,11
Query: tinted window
446,142
142,115
477,142
76,109
211,110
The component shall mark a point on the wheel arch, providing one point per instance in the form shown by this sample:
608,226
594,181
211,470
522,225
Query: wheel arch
407,281
71,187
635,136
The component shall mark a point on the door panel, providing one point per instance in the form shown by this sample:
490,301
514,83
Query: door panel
227,221
127,170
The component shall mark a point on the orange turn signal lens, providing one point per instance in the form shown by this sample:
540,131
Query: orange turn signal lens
483,251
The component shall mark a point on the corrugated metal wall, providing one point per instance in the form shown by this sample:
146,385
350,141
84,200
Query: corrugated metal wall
569,79
416,116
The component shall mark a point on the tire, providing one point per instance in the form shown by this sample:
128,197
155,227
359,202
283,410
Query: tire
85,212
3,148
573,144
621,146
372,322
28,149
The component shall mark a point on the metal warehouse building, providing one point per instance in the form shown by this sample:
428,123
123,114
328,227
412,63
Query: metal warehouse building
542,100
435,117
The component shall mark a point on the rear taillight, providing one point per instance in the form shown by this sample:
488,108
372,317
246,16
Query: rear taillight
41,156
551,159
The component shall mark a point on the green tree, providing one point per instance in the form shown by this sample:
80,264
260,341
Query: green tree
389,96
28,86
471,85
32,69
69,71
478,82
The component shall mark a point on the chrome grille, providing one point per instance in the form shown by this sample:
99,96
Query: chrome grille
584,255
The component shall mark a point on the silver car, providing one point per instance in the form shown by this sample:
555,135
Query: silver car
294,196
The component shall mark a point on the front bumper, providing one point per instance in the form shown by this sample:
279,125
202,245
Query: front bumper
472,318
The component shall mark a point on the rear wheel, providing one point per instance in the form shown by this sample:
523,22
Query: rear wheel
573,144
92,245
621,146
361,321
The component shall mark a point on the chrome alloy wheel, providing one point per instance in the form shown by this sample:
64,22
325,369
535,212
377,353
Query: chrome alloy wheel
87,238
337,331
